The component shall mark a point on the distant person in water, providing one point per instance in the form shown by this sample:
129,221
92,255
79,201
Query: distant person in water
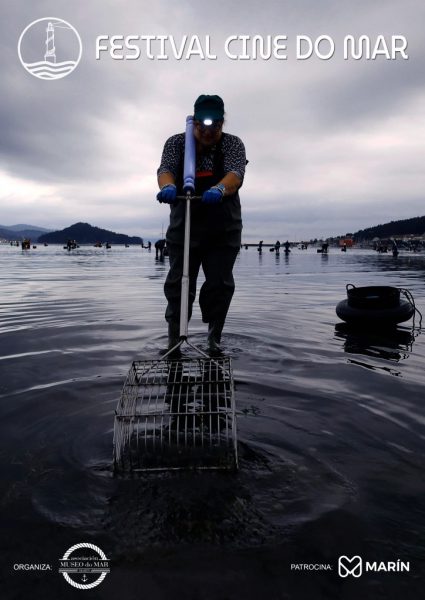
159,249
287,247
260,246
277,247
394,248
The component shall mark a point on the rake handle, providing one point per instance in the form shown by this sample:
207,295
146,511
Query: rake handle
189,171
189,165
184,301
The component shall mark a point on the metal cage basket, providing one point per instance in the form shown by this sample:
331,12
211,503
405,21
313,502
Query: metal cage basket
176,414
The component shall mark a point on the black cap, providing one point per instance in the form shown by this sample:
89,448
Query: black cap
209,107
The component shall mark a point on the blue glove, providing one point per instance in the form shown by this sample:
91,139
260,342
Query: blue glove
212,196
167,194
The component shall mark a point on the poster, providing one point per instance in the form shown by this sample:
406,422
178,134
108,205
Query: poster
328,100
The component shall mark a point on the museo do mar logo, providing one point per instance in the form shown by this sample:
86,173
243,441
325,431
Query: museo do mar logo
84,566
50,48
356,566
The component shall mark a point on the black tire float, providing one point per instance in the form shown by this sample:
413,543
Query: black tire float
375,306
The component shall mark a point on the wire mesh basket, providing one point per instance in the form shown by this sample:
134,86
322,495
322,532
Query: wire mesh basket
176,414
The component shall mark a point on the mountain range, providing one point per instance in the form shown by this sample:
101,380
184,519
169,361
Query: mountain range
23,226
83,233
21,231
414,226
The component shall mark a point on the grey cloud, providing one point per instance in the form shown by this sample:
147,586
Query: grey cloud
104,126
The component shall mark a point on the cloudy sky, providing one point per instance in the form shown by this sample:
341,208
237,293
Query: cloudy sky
333,145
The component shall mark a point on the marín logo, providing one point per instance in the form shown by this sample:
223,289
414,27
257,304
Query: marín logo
350,566
50,48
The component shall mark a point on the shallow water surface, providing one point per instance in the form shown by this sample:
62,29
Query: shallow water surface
331,429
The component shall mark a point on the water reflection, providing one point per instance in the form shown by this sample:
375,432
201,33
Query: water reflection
387,262
392,344
161,269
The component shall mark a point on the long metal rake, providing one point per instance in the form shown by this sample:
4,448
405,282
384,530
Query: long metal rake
178,413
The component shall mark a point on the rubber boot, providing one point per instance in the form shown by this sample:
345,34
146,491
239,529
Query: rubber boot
214,336
173,339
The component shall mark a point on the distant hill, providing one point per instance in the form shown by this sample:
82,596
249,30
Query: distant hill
19,232
22,227
83,233
415,226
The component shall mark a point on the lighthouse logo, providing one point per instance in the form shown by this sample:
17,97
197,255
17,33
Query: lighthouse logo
50,48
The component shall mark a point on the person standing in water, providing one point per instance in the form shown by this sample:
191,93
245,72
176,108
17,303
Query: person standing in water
216,221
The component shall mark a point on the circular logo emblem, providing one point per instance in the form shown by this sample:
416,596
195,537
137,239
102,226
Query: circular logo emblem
50,48
84,566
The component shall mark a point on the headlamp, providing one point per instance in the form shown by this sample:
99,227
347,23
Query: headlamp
208,122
